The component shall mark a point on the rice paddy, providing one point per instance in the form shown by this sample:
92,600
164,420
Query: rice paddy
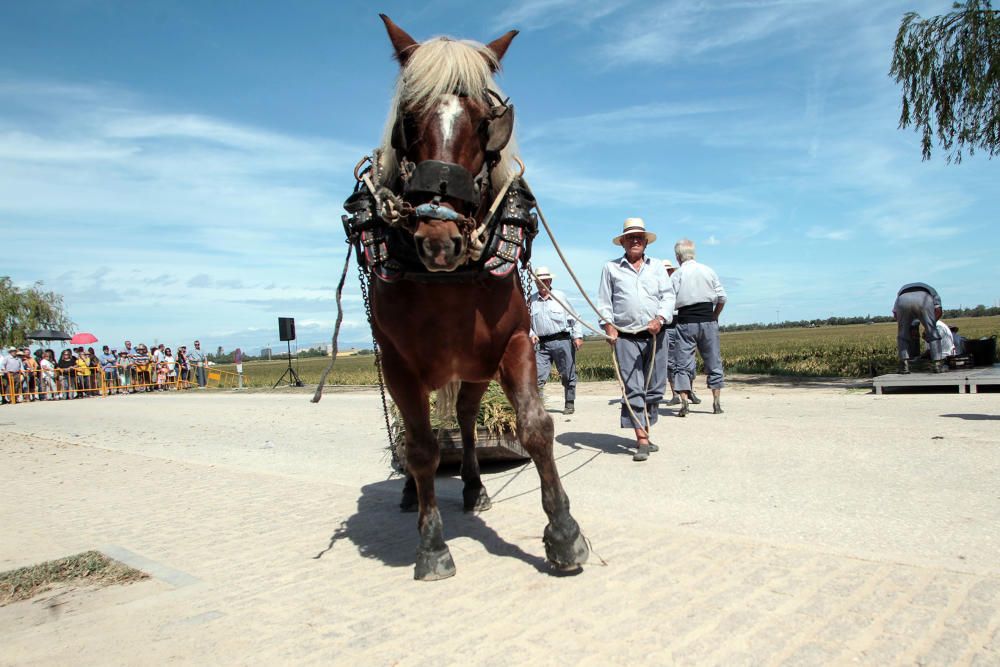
857,350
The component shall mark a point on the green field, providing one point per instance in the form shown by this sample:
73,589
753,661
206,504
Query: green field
833,351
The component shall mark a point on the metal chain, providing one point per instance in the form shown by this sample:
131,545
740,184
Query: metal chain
526,283
363,277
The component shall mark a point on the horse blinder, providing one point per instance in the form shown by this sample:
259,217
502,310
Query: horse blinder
500,128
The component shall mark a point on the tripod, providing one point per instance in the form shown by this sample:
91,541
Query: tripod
293,377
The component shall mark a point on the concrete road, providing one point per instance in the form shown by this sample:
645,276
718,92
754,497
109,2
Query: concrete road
812,524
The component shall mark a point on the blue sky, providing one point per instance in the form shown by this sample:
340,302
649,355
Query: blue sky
176,169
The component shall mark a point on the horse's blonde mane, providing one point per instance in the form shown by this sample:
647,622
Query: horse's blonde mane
443,66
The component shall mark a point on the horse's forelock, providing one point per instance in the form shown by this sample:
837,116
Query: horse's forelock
443,66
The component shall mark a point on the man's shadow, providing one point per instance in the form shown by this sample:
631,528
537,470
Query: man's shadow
605,442
379,530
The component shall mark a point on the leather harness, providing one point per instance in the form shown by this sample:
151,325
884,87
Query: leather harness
380,220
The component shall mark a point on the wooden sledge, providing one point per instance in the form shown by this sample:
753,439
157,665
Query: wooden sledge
489,448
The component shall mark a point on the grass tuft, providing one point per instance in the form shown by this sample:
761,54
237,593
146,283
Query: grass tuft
90,568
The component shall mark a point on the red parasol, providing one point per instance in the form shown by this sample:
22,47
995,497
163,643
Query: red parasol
83,339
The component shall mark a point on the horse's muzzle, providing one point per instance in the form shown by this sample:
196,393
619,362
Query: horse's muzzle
440,246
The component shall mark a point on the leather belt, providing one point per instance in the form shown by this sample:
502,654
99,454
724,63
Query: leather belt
562,335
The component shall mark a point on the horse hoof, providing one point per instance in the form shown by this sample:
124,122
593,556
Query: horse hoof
476,500
566,552
434,565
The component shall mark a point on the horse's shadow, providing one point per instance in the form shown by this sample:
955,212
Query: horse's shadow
379,530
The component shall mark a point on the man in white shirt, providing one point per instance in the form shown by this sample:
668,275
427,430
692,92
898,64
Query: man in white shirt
946,342
10,373
636,302
556,335
700,300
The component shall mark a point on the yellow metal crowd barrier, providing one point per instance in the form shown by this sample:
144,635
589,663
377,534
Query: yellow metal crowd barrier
81,382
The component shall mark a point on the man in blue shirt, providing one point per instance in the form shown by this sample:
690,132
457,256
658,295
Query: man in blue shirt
197,359
556,335
109,364
636,302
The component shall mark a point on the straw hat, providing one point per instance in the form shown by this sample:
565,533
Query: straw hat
631,226
543,273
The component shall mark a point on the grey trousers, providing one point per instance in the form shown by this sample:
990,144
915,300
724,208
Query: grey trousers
672,358
917,305
634,355
562,353
703,337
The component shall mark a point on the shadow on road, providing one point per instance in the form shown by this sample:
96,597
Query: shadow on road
973,416
379,530
605,442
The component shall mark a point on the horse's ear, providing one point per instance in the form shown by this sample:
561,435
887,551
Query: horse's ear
403,44
499,47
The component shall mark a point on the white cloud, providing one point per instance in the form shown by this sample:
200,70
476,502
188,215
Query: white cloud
539,14
828,234
185,215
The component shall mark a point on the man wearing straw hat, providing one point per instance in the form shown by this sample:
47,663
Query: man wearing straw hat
556,335
636,302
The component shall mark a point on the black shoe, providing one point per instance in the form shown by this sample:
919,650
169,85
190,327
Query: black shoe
674,400
683,412
569,408
904,367
939,367
694,399
716,408
641,453
653,448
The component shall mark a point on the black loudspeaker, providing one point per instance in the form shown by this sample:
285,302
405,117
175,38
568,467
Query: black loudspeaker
286,328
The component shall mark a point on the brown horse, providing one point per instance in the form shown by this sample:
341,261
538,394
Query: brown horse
447,152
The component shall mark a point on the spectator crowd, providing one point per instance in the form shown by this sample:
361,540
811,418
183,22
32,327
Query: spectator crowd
81,372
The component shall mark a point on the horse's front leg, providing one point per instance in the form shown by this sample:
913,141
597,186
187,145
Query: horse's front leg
565,546
422,456
474,496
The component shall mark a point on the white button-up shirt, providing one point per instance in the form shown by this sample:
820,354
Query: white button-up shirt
548,317
630,299
697,283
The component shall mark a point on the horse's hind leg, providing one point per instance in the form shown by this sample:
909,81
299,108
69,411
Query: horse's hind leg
474,496
409,502
422,456
565,546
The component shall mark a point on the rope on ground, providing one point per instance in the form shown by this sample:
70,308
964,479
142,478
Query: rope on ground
336,329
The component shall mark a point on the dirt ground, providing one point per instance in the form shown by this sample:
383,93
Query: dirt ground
812,523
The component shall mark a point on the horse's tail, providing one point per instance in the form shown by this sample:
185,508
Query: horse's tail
444,403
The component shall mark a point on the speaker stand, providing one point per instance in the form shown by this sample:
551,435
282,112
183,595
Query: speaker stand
293,377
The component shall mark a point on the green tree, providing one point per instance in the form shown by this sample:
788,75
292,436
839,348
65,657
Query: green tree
22,310
949,67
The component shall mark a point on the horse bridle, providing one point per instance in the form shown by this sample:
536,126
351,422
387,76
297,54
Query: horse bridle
432,180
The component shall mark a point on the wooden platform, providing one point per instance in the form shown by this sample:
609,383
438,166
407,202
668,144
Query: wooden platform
964,379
